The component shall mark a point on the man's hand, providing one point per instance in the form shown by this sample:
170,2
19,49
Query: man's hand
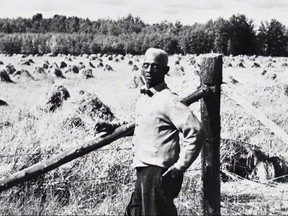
172,180
106,128
174,172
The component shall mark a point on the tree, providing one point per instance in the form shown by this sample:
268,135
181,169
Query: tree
58,23
10,44
72,24
221,38
36,23
242,35
196,39
276,41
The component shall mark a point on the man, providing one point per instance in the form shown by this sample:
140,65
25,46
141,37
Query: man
158,158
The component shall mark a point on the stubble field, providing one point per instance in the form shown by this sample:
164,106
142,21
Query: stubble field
101,182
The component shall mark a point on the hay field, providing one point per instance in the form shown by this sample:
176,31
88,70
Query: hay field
101,182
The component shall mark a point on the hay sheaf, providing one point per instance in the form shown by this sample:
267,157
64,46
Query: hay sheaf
178,71
23,74
135,81
57,97
92,106
91,64
63,64
26,62
57,73
108,68
4,76
39,73
10,68
248,161
285,90
3,103
88,73
73,69
81,66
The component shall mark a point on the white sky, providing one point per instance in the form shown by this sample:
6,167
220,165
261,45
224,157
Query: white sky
150,11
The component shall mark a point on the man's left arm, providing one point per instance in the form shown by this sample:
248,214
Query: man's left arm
193,135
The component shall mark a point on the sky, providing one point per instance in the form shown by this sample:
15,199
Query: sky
150,11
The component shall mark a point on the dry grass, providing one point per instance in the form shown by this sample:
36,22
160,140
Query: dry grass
101,182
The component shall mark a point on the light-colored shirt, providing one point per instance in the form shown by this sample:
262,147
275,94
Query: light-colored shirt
159,120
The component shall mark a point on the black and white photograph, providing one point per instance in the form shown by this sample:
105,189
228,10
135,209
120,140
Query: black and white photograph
144,108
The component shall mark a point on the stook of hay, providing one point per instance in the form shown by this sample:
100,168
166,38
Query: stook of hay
39,73
233,80
45,66
24,62
5,123
57,97
135,81
63,64
87,73
31,60
271,76
192,61
255,65
100,64
81,66
58,73
90,105
110,58
286,90
10,68
23,74
76,122
3,103
92,57
135,68
91,64
4,76
39,70
263,72
248,161
74,69
46,62
1,63
108,68
241,65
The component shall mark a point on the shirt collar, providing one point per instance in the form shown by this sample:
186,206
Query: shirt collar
158,87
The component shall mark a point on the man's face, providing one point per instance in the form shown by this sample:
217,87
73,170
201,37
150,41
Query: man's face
153,69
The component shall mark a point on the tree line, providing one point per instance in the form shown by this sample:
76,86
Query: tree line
60,34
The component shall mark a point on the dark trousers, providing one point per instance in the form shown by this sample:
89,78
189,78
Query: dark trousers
153,195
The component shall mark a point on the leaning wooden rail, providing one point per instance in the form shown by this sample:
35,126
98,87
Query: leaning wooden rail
71,154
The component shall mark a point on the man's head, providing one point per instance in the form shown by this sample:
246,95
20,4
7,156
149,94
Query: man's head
155,66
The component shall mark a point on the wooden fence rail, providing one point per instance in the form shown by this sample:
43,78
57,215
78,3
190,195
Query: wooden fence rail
273,127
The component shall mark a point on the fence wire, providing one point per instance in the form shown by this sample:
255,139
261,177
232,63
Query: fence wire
111,149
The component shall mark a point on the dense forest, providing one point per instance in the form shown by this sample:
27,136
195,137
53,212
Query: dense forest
60,34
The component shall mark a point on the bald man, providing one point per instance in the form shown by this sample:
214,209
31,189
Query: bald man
158,158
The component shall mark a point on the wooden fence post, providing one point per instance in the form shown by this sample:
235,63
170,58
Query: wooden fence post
211,75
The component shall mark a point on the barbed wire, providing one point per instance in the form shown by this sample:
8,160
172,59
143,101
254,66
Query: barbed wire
109,149
36,154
